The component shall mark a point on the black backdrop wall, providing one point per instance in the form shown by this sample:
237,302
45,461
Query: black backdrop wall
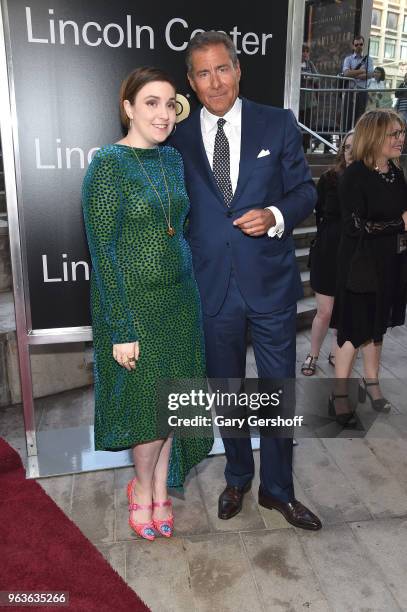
67,60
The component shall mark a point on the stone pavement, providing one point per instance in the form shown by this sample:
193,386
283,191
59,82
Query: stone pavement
256,561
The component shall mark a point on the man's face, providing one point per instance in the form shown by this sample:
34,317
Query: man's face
214,78
305,55
358,46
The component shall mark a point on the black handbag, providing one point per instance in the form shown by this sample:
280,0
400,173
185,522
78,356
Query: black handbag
362,277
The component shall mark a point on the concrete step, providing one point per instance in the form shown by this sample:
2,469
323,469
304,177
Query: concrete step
306,285
326,159
309,221
306,309
303,236
316,171
301,255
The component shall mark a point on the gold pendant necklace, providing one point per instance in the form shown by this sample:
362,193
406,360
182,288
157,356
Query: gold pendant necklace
170,228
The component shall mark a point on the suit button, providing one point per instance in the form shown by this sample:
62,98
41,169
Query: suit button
228,244
229,213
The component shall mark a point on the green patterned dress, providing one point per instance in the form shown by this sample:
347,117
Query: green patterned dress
142,288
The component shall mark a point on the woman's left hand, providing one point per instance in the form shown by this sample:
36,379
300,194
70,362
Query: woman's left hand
126,354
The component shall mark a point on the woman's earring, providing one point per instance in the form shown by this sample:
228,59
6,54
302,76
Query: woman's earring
174,129
131,123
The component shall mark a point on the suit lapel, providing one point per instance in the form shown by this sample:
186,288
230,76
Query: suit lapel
252,133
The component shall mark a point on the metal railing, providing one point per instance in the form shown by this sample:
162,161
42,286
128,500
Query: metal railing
330,105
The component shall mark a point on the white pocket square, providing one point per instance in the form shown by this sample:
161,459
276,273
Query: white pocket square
263,153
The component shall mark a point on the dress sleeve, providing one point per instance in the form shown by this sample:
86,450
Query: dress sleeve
355,215
321,193
353,202
103,214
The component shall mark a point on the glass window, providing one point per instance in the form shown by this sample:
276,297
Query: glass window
376,17
389,48
374,46
403,51
392,19
405,24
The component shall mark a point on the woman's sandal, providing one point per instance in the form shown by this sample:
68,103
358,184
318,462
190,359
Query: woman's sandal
165,526
346,419
380,404
310,365
144,530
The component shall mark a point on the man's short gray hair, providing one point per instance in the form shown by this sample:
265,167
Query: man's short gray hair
202,40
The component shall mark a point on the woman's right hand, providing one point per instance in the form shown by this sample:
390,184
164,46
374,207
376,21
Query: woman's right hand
404,217
126,354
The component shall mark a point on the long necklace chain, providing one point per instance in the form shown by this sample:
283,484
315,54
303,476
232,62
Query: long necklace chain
170,228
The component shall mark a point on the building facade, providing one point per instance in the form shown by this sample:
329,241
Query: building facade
388,38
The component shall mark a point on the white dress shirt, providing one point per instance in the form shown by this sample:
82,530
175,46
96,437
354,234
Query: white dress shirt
233,130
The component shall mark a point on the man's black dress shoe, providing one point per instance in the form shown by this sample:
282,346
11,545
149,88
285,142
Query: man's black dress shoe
294,512
230,501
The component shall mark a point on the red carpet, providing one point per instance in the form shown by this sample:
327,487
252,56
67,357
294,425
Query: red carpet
42,550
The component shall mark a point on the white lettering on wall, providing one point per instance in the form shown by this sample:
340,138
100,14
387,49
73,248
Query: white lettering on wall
168,34
177,33
66,268
112,34
61,157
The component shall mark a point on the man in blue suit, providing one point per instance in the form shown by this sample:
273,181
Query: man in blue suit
249,186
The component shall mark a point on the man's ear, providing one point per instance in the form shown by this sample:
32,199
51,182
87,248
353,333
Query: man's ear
191,82
238,71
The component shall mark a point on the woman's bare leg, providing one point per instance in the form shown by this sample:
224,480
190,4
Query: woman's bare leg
160,476
371,353
145,460
320,324
345,357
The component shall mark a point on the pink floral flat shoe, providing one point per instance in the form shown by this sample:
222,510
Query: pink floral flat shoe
165,526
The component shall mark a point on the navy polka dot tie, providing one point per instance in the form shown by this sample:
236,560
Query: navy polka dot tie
221,163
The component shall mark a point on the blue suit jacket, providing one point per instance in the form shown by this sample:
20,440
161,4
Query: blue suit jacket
265,268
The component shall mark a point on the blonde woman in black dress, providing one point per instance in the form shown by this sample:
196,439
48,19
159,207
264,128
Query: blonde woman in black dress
323,255
372,297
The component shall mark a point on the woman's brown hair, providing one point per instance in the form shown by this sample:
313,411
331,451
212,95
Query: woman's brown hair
370,135
340,163
136,81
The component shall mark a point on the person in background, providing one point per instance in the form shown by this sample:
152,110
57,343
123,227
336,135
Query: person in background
378,99
324,253
146,312
401,95
308,99
371,288
359,67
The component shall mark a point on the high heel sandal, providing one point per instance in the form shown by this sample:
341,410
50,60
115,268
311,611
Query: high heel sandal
346,419
380,404
165,526
309,365
144,530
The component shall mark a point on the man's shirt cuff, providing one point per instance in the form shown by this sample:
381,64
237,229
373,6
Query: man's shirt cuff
278,228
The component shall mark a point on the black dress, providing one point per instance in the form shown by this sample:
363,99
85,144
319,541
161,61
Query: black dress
378,206
324,254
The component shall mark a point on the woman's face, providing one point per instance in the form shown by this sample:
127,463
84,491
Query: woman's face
377,75
394,141
347,149
153,114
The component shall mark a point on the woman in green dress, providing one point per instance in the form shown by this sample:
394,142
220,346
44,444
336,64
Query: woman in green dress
146,312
